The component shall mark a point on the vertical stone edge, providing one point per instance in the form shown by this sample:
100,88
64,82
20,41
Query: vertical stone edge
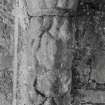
20,56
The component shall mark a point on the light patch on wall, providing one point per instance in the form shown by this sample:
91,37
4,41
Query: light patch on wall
21,13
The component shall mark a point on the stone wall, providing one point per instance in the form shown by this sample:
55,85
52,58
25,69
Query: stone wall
50,76
88,68
60,52
6,51
76,53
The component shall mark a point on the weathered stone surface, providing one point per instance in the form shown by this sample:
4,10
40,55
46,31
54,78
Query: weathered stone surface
53,32
34,6
100,69
6,45
6,51
5,62
56,54
8,4
3,101
88,65
6,85
46,53
48,45
44,83
93,96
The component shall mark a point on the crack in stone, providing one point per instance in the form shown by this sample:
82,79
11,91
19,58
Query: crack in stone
38,91
77,58
44,101
53,101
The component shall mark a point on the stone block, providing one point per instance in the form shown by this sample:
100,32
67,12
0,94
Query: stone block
40,5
